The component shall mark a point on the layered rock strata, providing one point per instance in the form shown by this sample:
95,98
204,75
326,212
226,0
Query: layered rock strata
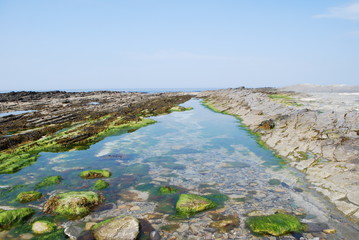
324,145
60,121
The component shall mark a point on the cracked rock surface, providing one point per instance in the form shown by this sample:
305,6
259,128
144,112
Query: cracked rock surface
317,137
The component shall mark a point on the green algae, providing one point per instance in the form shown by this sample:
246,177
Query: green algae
96,173
56,235
217,198
30,196
276,224
189,204
8,218
168,190
79,137
73,204
100,184
180,109
285,99
52,180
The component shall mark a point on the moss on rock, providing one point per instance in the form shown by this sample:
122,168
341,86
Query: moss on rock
28,196
95,174
9,218
52,180
100,184
73,204
180,109
168,190
189,204
276,224
43,226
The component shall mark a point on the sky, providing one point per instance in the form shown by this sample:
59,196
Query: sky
109,44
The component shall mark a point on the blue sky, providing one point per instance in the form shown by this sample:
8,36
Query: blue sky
77,44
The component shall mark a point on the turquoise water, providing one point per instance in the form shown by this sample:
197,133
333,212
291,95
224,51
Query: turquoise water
197,151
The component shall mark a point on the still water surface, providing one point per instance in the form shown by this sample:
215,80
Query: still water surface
197,151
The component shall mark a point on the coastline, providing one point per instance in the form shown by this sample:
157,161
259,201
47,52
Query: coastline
311,141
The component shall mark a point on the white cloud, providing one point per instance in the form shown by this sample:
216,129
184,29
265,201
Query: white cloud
350,12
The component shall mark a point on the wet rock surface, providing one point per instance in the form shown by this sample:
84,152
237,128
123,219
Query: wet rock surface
126,228
318,137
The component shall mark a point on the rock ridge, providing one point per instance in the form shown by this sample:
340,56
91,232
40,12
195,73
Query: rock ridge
323,145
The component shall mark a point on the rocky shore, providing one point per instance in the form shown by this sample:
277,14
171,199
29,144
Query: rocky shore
60,121
320,138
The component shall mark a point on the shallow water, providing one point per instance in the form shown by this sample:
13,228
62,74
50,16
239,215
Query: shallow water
197,151
15,113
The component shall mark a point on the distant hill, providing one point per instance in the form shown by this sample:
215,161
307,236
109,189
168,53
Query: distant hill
321,88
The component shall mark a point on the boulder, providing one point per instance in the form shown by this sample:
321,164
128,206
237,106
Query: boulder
30,196
95,174
73,204
188,204
276,224
42,226
124,228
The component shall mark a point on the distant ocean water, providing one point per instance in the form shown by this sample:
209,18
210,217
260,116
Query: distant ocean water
147,90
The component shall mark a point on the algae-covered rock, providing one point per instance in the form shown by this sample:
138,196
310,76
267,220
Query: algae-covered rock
95,174
100,184
52,180
180,109
168,190
10,217
42,226
276,224
73,204
125,228
224,223
28,196
188,204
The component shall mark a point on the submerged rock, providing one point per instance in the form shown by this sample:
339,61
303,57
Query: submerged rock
124,228
52,180
95,174
168,190
73,204
188,204
100,184
28,196
225,223
42,226
9,218
276,224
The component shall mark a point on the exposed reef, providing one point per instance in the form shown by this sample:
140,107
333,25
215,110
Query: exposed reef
61,121
322,144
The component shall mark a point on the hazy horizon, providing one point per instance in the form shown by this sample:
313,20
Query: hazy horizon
57,45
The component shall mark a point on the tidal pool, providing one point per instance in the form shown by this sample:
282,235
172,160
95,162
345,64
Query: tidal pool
197,151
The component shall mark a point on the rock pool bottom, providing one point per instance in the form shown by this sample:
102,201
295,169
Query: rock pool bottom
197,152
